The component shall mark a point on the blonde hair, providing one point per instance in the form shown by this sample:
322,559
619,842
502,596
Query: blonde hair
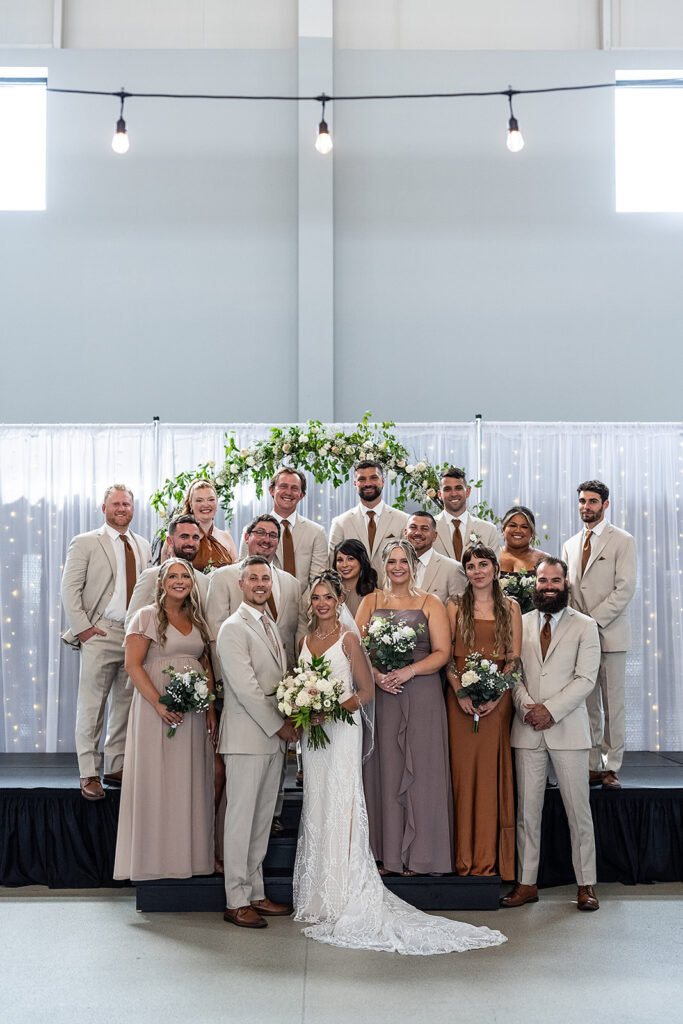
409,551
332,581
117,487
190,604
501,611
196,485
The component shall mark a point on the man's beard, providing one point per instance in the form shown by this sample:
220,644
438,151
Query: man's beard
187,555
370,493
551,603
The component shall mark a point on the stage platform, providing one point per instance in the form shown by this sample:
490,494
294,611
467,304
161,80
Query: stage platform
50,835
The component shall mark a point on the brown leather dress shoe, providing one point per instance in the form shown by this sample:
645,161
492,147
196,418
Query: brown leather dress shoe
270,909
610,780
586,898
113,778
519,895
276,828
595,778
244,917
91,788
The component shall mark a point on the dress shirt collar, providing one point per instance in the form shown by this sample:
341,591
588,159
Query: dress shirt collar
597,530
378,509
114,534
291,519
426,557
554,619
253,611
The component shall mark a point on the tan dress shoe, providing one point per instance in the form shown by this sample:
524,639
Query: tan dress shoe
595,778
586,898
244,917
270,909
91,788
113,778
519,895
610,780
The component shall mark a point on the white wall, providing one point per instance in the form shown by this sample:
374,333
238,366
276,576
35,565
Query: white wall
466,279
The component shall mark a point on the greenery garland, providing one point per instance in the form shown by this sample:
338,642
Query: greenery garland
326,454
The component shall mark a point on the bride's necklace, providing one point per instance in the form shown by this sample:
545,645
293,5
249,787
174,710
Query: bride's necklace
324,636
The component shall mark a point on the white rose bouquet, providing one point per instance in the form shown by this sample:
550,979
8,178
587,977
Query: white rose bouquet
519,586
187,691
482,682
309,690
390,644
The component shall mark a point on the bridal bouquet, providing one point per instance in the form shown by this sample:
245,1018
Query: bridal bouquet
521,588
390,644
187,691
482,682
309,690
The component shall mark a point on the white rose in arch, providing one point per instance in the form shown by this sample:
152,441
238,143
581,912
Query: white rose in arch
420,467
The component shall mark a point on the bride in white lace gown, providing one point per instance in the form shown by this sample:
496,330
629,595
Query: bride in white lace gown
337,888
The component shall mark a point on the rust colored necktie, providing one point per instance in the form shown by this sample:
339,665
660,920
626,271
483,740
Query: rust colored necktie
457,540
273,607
546,636
131,571
586,552
372,529
288,549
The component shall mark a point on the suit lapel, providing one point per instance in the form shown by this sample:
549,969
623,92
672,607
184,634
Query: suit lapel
597,546
108,548
258,631
430,572
558,632
534,635
443,528
359,525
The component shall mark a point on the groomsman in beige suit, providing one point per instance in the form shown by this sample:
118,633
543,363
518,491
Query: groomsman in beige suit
252,739
456,528
560,657
99,577
602,578
438,575
224,596
372,522
183,542
302,550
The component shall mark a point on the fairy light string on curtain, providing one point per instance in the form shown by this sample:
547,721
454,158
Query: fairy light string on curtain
323,140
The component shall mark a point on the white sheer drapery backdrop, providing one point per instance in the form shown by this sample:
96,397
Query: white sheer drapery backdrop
53,478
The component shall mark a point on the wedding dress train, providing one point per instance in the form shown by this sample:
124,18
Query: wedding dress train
337,888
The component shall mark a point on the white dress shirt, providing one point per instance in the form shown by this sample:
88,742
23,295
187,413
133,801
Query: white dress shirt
554,619
595,532
422,562
116,609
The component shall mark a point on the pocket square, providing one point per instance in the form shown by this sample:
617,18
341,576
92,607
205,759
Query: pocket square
601,558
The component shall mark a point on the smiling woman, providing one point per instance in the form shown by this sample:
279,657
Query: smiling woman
156,839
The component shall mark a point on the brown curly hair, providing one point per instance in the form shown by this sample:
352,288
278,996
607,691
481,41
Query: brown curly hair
501,610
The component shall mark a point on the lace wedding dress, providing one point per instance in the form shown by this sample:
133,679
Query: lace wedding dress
337,888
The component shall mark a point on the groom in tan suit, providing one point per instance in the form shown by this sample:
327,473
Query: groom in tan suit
372,522
602,578
438,575
252,739
560,657
100,573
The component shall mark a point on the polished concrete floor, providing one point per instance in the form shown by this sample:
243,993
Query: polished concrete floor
76,957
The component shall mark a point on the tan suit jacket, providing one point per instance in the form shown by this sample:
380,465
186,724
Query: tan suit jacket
607,585
251,672
225,596
561,682
486,532
146,588
89,578
310,551
353,525
444,577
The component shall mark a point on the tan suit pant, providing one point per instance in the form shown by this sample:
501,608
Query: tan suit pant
251,788
102,676
571,768
607,742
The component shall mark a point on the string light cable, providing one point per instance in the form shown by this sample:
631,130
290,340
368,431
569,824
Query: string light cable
323,142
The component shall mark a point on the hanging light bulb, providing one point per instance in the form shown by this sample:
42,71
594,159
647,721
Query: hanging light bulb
121,143
515,140
323,142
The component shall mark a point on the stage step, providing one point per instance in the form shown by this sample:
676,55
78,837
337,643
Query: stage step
428,892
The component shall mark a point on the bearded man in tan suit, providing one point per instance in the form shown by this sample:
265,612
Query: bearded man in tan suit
252,739
183,542
602,578
438,575
99,577
302,550
372,522
560,658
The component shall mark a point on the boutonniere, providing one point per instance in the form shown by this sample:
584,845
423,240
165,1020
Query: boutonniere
474,538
